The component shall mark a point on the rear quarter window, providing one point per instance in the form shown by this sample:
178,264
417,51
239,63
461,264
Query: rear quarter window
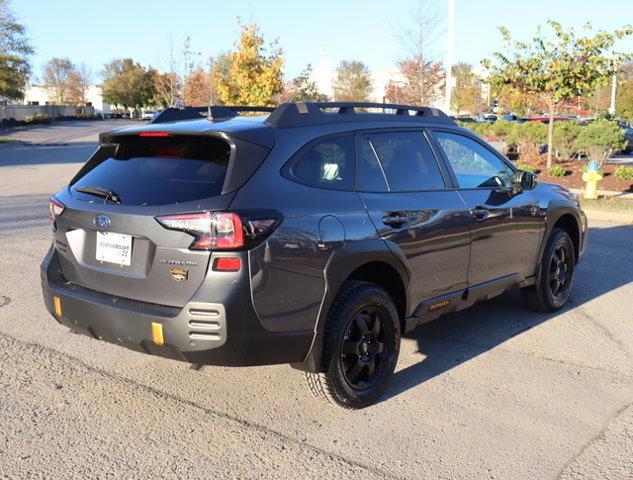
160,172
329,163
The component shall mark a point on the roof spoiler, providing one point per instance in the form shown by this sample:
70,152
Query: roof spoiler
213,113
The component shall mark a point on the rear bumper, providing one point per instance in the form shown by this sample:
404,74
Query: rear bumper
226,331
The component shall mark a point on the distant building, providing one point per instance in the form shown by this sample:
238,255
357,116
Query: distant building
38,95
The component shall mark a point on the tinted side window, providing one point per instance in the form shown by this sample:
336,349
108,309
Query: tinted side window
407,161
474,165
371,176
328,164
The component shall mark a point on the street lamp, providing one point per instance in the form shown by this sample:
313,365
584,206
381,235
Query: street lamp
449,55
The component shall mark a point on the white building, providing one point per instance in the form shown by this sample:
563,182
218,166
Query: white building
39,95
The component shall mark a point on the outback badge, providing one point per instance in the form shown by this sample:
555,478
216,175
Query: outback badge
179,274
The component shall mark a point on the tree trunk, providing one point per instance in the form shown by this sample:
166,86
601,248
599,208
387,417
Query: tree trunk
550,136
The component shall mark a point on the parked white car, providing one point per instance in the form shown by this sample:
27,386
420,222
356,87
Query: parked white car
148,114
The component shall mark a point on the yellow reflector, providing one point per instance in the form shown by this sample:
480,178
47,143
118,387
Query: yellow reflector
57,302
157,333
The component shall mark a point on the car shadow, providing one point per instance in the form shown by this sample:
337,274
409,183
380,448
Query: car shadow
459,337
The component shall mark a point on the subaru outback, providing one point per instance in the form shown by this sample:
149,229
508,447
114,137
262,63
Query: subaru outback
314,234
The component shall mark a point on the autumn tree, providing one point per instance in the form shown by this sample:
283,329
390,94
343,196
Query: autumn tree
559,69
15,51
420,82
466,95
61,79
352,82
199,89
511,100
127,83
624,97
79,81
251,74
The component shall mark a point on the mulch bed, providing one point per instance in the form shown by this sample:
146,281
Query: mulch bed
573,175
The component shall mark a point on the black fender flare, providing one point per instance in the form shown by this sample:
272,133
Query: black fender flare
555,210
342,262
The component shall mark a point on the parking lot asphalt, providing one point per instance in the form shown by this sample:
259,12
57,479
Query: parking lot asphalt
495,391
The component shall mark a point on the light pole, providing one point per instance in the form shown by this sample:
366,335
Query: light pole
449,55
614,86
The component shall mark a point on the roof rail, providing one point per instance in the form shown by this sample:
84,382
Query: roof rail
303,114
212,112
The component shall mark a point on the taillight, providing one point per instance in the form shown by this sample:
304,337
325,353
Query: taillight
211,230
223,230
55,209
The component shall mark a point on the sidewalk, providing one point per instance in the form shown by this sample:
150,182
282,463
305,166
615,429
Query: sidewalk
616,217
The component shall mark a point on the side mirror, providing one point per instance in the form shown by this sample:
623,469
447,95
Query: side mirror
525,180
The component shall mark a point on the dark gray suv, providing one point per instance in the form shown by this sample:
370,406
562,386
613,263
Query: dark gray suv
314,235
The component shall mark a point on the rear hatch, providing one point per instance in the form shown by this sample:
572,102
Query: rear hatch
108,237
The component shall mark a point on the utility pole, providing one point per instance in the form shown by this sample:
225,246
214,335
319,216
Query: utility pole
614,86
449,55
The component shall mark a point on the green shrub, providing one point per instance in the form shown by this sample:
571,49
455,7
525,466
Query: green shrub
528,137
480,128
556,171
37,119
502,128
600,139
565,138
525,167
624,173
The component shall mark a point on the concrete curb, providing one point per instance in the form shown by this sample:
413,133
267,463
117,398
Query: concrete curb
605,193
618,217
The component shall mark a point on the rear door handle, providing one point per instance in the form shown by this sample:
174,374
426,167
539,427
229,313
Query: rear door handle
394,220
480,213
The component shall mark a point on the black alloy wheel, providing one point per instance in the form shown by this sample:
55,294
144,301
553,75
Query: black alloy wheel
555,276
361,343
367,345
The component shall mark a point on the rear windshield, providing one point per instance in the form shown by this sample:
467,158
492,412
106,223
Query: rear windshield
159,171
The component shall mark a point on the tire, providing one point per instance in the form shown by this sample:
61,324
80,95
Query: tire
556,275
361,343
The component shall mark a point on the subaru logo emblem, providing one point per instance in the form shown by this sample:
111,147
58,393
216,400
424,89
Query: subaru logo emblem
102,221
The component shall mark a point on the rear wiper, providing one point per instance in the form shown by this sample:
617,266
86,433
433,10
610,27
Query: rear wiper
100,192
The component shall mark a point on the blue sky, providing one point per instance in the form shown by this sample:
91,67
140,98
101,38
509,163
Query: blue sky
94,32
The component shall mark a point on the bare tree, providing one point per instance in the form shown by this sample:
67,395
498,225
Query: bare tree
421,76
422,29
168,85
176,72
80,81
